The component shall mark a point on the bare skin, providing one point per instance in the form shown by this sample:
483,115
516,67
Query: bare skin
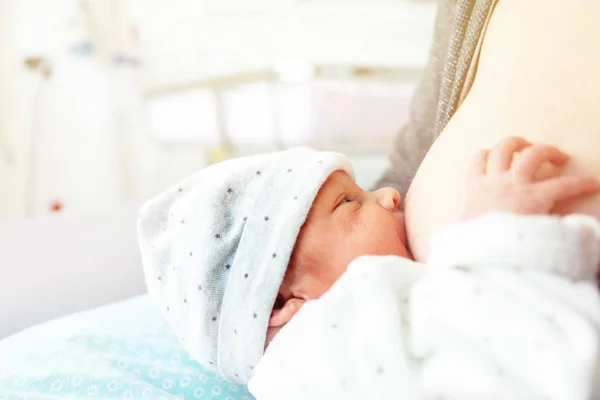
346,222
537,78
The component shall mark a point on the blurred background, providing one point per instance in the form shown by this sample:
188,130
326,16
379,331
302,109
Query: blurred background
106,102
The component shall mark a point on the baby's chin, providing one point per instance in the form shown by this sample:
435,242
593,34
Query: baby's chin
403,250
405,253
399,215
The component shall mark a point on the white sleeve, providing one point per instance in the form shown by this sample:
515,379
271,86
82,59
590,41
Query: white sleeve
567,246
388,328
509,310
350,344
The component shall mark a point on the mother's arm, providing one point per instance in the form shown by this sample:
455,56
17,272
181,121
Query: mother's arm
416,137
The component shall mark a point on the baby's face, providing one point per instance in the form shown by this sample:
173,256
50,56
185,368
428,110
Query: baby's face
346,222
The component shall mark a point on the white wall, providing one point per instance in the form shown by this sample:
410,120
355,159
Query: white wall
70,126
195,40
67,117
14,140
92,145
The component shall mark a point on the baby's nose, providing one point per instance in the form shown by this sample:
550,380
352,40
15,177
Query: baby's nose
388,198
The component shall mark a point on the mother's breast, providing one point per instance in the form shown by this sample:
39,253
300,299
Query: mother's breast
538,77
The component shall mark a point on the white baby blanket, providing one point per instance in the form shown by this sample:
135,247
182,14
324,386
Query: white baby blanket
498,320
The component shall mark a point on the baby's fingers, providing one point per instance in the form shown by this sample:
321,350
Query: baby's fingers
502,154
568,187
530,160
478,166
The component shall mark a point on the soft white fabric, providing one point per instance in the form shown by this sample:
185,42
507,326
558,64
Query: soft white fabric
476,328
568,246
215,248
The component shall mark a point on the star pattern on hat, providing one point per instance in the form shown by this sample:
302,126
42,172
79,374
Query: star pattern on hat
550,319
229,227
462,268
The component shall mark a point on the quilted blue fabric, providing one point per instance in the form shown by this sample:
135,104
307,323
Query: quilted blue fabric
121,351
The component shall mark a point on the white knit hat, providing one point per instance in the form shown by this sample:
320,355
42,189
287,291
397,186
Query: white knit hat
215,248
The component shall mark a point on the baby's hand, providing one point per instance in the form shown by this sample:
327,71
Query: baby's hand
496,182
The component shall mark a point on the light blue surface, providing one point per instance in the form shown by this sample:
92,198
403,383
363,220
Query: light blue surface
121,351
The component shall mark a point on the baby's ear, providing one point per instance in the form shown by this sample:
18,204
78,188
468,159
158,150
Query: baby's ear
283,315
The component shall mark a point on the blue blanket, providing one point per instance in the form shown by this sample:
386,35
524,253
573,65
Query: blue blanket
120,351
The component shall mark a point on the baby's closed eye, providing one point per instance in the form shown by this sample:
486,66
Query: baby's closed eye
346,199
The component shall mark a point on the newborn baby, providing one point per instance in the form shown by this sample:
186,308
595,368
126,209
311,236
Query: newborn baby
346,222
233,252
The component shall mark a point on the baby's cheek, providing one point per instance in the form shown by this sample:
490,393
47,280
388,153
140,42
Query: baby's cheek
379,244
404,252
391,242
403,245
331,262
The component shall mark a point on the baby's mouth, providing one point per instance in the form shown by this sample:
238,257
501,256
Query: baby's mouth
399,215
